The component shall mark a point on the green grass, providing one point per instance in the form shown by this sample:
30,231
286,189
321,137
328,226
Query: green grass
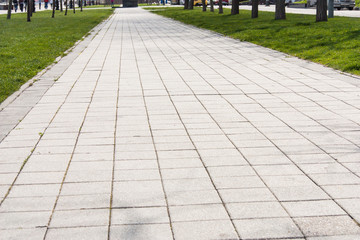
28,47
96,6
146,5
335,43
301,2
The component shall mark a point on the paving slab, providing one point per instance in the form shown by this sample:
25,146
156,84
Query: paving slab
159,130
268,228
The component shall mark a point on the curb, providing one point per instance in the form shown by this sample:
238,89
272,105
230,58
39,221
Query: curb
10,99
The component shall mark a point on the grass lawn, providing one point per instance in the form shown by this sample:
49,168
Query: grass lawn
147,5
335,43
28,47
96,6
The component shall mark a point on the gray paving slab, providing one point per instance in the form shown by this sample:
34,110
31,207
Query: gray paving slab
159,130
141,232
268,228
31,233
78,233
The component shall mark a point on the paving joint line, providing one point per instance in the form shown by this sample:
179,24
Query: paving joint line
231,142
275,144
153,142
170,98
14,96
25,161
115,133
93,91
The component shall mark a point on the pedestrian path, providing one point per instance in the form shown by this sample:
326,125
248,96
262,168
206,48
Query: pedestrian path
160,130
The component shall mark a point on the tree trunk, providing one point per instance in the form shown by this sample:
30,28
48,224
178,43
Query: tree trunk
221,11
9,9
255,9
280,9
321,14
74,5
191,4
234,7
31,7
203,5
53,10
186,4
28,11
211,5
66,7
61,5
81,4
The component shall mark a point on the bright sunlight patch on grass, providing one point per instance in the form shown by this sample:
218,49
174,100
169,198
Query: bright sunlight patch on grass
28,47
335,43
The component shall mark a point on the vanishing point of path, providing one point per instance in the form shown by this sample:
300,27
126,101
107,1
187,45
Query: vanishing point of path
159,130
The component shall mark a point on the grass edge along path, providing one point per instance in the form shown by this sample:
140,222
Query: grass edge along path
335,43
26,48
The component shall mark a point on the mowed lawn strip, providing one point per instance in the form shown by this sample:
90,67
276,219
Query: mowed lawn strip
28,47
335,43
96,6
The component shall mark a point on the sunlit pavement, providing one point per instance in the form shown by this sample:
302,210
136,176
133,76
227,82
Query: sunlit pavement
152,129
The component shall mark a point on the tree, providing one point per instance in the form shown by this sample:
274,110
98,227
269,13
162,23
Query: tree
221,11
191,4
28,10
255,9
234,7
9,9
280,9
211,5
61,5
203,5
186,4
66,7
321,14
81,4
73,5
31,6
53,10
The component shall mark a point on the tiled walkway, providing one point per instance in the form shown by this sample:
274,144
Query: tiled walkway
159,130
